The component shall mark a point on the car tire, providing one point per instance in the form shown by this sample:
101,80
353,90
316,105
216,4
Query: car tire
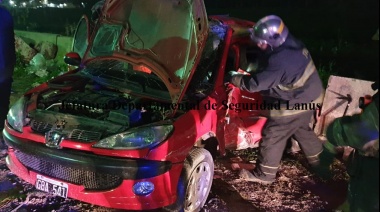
195,182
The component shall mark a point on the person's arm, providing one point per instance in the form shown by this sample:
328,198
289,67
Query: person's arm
360,131
268,78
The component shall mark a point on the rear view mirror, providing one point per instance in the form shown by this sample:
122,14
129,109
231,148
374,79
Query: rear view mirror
72,58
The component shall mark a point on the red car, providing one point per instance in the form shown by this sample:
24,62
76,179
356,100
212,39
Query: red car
133,126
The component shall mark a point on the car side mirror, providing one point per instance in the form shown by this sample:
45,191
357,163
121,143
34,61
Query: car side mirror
72,58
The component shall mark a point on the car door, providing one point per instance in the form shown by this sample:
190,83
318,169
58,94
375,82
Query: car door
243,123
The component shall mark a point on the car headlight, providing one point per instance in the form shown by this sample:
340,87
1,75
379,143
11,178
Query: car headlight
17,114
136,138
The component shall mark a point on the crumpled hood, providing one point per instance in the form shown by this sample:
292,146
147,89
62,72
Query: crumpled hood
166,34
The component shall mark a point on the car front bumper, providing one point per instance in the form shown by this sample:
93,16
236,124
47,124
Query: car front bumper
99,180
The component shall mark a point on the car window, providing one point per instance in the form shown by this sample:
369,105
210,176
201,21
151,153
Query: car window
207,70
106,39
249,58
81,37
231,61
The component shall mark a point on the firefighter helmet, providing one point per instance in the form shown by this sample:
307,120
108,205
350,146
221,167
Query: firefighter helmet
270,30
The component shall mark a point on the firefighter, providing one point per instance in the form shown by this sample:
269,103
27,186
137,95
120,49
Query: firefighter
286,77
7,63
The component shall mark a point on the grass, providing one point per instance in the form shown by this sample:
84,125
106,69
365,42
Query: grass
325,71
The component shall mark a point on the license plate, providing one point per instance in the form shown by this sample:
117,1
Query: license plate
52,186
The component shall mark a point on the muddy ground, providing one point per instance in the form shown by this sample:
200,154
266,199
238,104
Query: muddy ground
296,189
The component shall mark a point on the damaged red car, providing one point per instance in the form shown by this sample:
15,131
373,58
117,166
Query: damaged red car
134,125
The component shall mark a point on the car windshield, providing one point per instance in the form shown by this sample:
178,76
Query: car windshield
123,76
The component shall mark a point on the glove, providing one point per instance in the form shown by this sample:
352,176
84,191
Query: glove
235,78
239,71
230,75
233,73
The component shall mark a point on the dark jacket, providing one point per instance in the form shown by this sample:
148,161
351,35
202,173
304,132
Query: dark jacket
286,74
7,45
7,61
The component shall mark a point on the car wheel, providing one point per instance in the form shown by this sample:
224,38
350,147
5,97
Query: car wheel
195,181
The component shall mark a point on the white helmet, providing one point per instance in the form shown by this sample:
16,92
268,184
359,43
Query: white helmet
270,30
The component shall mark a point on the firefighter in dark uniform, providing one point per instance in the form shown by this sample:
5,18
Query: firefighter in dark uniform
286,76
7,63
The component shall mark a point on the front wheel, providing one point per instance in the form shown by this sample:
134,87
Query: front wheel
195,182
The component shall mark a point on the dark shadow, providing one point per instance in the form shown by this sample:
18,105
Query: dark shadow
230,196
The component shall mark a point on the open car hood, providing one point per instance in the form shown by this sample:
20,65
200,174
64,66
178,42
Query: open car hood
167,36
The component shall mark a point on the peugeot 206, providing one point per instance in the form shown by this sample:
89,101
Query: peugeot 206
136,121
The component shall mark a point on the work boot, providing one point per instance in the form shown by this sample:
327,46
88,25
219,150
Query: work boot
322,168
249,176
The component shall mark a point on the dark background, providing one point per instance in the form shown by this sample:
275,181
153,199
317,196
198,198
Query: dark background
338,33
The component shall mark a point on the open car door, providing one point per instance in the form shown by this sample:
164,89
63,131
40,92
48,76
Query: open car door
243,125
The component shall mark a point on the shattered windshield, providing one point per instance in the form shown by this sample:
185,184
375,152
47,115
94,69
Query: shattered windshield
123,76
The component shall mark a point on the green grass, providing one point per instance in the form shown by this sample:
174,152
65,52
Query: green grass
325,71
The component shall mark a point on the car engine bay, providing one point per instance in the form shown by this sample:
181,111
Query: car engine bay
88,111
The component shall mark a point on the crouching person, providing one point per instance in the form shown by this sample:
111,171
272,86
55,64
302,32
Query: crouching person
360,132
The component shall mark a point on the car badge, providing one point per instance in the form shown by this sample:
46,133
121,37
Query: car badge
60,124
55,136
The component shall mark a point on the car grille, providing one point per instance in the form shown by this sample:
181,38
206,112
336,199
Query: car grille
83,135
76,134
40,127
90,180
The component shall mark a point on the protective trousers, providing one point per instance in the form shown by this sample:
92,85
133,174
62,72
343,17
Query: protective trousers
276,133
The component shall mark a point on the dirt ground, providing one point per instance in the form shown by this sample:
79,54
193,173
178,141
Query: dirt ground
296,189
